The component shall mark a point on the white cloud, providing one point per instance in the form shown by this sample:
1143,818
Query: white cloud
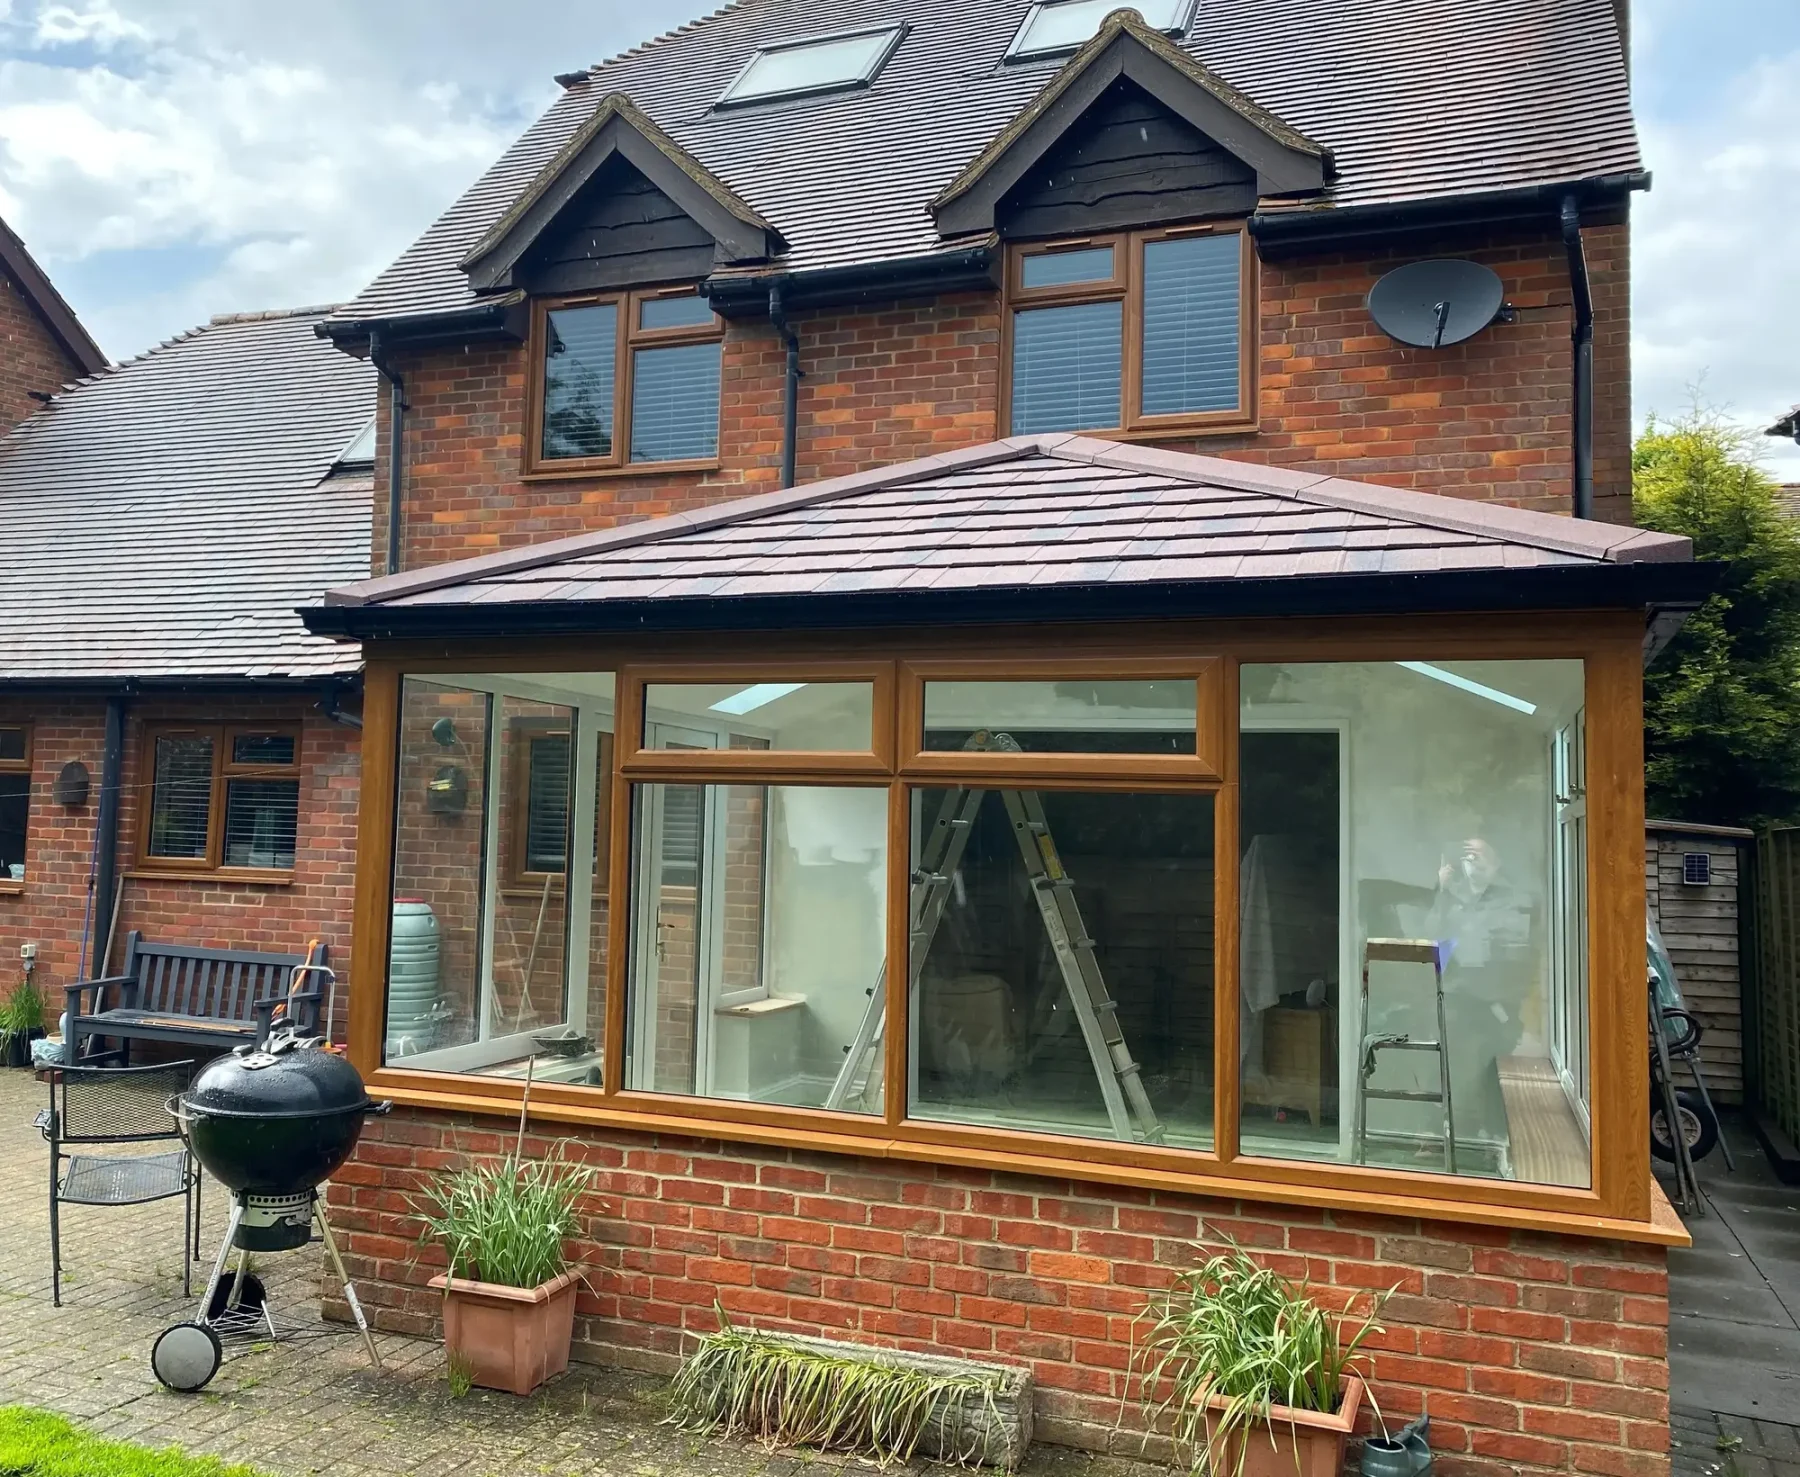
62,25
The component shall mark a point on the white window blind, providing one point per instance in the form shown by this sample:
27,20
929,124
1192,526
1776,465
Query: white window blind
1191,312
675,403
1066,368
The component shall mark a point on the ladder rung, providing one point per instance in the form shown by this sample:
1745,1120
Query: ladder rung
1395,1095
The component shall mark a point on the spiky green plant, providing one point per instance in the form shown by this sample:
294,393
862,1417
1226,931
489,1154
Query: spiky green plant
21,1012
743,1383
506,1221
1232,1329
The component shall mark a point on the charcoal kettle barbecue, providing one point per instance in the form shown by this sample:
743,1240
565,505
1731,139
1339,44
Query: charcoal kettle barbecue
270,1123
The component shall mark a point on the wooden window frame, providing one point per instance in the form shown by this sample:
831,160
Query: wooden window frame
1126,286
1620,1203
629,337
516,876
19,766
224,768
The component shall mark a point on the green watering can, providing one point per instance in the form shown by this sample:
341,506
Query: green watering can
1407,1453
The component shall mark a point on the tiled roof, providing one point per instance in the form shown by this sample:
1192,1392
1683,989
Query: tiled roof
1027,514
164,518
1415,99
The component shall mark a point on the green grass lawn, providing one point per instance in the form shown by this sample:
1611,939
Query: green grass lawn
34,1443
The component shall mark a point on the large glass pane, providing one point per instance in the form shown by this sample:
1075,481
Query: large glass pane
1060,268
1398,824
497,958
811,67
262,748
1191,317
15,814
1031,911
675,403
1065,370
1075,717
758,934
262,819
181,796
687,310
580,347
800,717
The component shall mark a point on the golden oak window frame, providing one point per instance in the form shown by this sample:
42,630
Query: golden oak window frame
1620,1200
1126,286
628,338
224,769
12,767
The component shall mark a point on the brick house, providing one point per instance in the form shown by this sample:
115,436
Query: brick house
175,750
42,342
861,503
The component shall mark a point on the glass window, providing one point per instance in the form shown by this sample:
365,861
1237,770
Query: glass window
1071,717
1409,962
262,819
580,347
262,748
675,403
12,745
497,956
758,936
1192,304
1065,25
256,773
799,717
824,65
181,796
1037,908
1060,268
15,802
689,310
1065,373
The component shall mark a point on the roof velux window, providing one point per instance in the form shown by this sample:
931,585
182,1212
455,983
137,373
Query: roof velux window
815,64
1064,25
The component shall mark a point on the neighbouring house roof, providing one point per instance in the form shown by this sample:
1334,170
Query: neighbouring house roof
1414,99
16,263
1035,528
1787,426
164,518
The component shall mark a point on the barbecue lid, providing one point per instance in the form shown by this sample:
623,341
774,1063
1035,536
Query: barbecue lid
287,1077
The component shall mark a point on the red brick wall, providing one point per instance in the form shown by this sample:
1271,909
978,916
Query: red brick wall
1488,418
1532,1352
280,918
30,357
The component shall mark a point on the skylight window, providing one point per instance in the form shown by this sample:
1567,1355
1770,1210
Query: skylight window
1065,25
361,447
816,64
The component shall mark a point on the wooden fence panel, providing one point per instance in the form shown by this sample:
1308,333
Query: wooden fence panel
1775,1017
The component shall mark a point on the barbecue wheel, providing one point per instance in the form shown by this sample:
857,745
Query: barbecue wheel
185,1356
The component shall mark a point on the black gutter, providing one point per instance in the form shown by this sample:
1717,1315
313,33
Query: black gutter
790,404
136,686
1664,585
396,446
740,296
503,319
106,830
1582,331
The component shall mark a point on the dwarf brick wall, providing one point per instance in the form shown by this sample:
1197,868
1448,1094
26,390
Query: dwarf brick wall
30,357
1533,1353
1487,418
212,912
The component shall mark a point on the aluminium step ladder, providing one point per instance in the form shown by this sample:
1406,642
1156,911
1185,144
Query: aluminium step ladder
1121,1082
1403,951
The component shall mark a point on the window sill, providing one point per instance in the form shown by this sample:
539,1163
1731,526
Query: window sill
1173,431
253,876
916,1143
8,887
609,470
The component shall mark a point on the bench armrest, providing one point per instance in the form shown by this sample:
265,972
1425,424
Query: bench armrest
263,1010
126,984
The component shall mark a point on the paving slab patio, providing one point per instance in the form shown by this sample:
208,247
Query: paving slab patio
314,1406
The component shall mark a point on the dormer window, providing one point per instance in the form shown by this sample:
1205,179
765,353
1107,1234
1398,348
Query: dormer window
1060,26
813,65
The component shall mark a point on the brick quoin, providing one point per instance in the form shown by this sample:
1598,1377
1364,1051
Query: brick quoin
30,357
1488,418
1509,1339
52,908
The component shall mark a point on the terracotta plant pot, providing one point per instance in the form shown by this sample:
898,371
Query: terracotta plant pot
510,1338
1306,1443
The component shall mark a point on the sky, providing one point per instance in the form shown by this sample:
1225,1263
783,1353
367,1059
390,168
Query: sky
166,160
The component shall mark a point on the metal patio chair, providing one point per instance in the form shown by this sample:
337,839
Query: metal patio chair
115,1106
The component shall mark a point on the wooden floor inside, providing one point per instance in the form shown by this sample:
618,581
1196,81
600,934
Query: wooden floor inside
1545,1141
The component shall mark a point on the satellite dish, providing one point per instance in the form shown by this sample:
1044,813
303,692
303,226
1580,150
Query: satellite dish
1430,304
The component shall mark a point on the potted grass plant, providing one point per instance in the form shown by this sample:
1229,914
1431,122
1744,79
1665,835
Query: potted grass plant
1252,1376
509,1297
21,1022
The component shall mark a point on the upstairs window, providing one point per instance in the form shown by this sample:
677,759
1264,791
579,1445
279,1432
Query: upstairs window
625,378
818,64
1065,25
15,803
1146,331
222,797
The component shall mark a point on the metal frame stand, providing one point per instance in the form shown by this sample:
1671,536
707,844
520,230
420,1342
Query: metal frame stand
1402,951
1118,1073
1662,1083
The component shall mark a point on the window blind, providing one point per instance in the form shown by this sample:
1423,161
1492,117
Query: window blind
580,347
262,821
15,809
181,796
547,805
675,403
1191,314
683,816
1066,368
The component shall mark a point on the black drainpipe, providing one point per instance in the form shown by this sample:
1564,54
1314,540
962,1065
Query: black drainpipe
1583,333
790,405
396,447
106,828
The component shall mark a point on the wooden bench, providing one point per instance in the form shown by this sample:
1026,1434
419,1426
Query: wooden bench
211,998
1545,1143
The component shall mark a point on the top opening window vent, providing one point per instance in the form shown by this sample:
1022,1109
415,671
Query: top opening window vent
813,65
1058,26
